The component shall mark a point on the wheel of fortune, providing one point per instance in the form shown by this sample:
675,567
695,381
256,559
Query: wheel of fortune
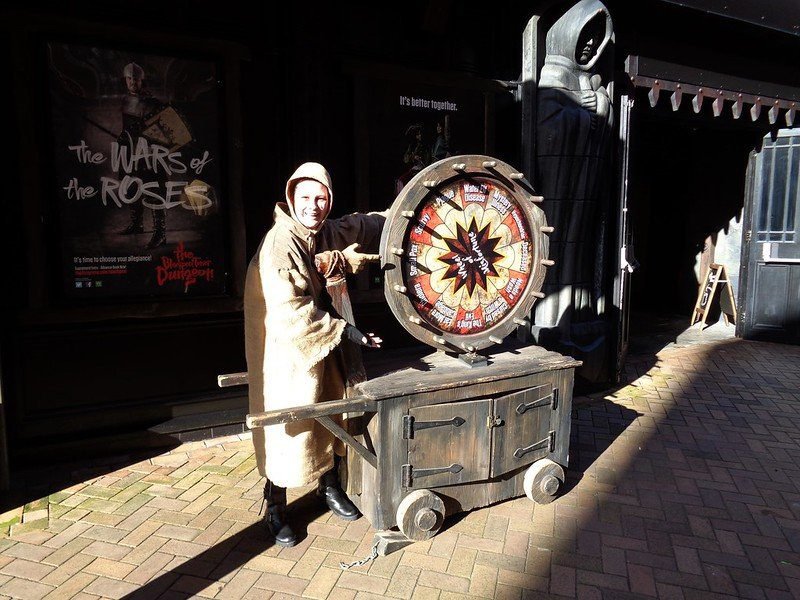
464,253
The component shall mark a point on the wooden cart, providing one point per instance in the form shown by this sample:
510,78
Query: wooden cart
464,255
429,436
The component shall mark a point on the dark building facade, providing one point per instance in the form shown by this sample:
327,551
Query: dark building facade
240,94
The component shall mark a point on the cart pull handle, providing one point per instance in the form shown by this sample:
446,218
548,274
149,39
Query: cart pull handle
311,411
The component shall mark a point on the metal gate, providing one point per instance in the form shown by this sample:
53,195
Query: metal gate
770,293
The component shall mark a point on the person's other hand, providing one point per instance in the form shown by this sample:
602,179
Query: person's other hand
356,261
369,339
373,341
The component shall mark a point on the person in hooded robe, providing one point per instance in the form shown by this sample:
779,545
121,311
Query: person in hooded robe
295,340
574,119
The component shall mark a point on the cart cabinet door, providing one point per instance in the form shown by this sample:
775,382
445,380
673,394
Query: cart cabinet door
522,430
447,444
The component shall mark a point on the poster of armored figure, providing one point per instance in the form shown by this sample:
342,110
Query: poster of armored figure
138,173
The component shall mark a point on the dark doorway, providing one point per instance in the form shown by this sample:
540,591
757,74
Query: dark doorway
687,190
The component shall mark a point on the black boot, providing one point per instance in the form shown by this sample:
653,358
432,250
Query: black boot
136,211
275,519
335,498
159,230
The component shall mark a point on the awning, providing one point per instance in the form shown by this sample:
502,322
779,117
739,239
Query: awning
744,96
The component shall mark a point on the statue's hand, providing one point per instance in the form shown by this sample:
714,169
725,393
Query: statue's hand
589,100
356,261
603,104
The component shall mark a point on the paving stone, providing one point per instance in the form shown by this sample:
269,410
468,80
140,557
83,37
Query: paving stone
132,505
241,582
281,583
71,586
110,588
483,581
22,588
308,565
68,570
444,582
26,569
104,534
186,534
107,550
109,568
105,519
28,551
197,586
363,582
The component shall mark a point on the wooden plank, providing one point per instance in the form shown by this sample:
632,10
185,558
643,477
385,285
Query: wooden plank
348,439
519,430
393,454
438,371
727,303
466,445
232,379
310,411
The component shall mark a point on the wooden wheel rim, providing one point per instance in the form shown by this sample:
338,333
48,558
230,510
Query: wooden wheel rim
446,174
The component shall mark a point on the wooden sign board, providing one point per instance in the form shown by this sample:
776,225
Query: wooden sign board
716,279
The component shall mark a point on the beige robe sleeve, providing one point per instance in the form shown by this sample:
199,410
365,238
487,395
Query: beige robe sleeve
294,320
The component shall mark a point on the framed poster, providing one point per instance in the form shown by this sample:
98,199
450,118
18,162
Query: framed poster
405,120
138,166
414,123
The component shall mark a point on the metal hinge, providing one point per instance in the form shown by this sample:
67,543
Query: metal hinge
410,425
549,442
748,235
549,400
409,473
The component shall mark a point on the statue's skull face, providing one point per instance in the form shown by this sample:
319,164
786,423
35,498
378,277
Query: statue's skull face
590,39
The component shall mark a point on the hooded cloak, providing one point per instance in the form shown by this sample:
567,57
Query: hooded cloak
574,119
293,336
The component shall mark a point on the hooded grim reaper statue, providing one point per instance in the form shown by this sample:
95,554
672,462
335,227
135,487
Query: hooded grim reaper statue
574,118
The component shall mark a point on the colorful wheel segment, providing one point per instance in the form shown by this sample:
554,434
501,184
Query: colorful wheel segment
469,256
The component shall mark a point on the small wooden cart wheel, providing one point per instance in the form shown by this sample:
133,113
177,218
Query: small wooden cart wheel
542,480
420,515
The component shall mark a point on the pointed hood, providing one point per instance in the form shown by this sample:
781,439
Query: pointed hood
309,170
564,37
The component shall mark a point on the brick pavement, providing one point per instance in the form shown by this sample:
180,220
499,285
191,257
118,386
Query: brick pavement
682,484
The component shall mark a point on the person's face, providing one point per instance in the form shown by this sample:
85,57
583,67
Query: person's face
311,203
134,84
589,39
587,52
